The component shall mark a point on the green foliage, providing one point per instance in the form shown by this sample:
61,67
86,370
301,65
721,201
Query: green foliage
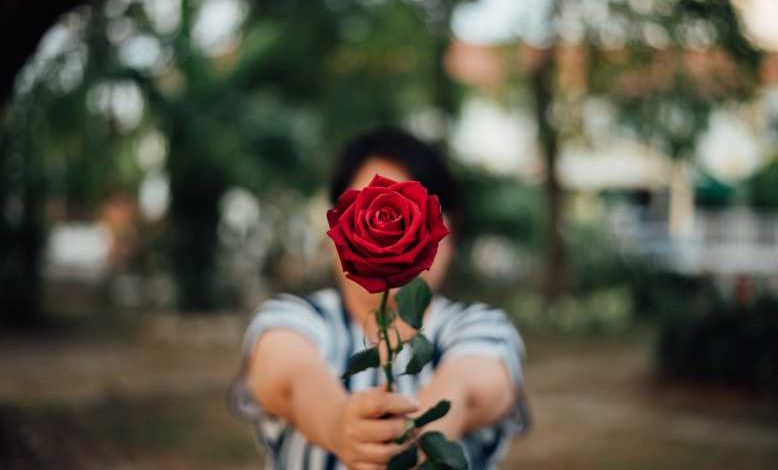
763,187
499,205
362,360
412,300
405,459
422,353
265,116
662,294
727,344
711,193
660,91
595,260
438,411
433,414
608,310
442,451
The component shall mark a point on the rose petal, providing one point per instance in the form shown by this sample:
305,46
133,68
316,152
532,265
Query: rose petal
435,222
410,233
368,242
381,181
368,195
371,284
388,237
388,199
344,202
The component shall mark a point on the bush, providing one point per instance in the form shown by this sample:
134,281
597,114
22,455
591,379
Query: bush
763,187
657,293
601,311
730,344
595,260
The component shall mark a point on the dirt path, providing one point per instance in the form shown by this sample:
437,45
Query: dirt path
152,402
598,406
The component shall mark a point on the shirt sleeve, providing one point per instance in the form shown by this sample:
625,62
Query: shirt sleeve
287,312
479,330
283,312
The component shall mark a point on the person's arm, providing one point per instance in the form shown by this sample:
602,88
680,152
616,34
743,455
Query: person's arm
479,388
290,379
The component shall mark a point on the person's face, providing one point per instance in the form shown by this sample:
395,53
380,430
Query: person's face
397,172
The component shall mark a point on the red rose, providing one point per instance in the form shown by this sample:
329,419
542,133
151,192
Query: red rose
387,233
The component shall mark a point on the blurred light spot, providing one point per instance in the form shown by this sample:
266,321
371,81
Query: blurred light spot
120,29
58,41
571,28
239,211
143,52
154,195
217,25
495,258
729,148
121,101
165,15
598,117
613,33
621,164
760,17
655,35
71,70
500,21
79,246
152,151
114,8
698,34
499,139
643,7
428,123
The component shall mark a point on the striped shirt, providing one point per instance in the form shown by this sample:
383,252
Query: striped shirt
454,328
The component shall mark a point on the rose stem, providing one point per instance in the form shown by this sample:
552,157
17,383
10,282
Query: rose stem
383,333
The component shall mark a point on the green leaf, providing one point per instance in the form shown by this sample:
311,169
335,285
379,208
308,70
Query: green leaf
436,412
412,300
361,361
442,451
422,353
405,459
410,425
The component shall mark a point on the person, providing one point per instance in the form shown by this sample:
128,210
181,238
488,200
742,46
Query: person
296,348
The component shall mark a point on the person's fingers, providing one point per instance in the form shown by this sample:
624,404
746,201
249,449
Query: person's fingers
381,430
378,402
396,404
380,454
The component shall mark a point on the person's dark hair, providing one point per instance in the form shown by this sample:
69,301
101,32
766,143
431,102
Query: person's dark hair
424,163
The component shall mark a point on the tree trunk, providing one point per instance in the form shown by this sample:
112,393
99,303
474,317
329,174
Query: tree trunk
443,98
21,241
555,276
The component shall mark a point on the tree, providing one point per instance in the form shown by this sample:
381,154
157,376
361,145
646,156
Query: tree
22,25
665,65
264,115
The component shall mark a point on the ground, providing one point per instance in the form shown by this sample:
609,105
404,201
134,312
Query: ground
155,398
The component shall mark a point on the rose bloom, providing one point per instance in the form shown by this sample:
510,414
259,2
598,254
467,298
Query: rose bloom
387,233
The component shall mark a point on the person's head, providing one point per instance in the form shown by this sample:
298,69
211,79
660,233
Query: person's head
398,155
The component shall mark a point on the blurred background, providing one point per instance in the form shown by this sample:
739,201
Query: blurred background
163,166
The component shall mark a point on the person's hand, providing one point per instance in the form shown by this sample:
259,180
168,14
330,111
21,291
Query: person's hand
360,437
